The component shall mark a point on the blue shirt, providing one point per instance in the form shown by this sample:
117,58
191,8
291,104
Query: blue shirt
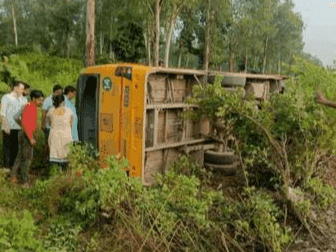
71,106
48,104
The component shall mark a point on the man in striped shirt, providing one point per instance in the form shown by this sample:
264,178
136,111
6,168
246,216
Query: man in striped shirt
27,138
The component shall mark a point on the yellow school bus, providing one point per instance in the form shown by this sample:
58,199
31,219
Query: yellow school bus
135,111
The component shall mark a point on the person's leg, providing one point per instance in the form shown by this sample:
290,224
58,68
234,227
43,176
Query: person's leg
14,146
64,165
27,158
18,160
53,163
6,149
46,146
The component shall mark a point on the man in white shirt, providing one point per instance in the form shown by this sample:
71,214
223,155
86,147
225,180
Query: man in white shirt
10,104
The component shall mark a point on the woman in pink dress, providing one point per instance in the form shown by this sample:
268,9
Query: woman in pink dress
60,137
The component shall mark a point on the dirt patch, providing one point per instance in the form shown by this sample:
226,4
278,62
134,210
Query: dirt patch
329,176
325,235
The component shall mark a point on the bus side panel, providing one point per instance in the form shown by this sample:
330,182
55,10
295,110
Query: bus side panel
134,109
109,116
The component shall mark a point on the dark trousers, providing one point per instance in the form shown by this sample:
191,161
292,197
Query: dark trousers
10,147
63,165
24,158
46,145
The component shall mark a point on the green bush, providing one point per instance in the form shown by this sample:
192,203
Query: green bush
13,49
62,236
83,157
185,165
9,194
41,71
324,194
46,195
104,189
253,221
19,234
285,136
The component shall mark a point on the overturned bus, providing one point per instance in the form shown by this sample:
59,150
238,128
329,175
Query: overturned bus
136,112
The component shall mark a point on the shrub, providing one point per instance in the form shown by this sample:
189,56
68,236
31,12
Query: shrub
83,157
18,234
185,165
254,221
46,195
40,70
285,137
9,194
323,194
62,236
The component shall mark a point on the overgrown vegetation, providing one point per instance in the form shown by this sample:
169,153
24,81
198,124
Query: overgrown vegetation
283,148
107,207
283,143
41,71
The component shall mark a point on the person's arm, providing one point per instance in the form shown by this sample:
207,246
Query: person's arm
5,126
4,123
48,117
320,98
25,101
18,117
71,119
45,109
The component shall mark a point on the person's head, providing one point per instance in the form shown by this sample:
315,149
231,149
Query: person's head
70,92
25,90
18,87
37,97
57,90
58,100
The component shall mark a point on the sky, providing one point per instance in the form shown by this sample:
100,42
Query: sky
319,35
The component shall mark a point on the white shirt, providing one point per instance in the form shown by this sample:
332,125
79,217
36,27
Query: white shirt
10,105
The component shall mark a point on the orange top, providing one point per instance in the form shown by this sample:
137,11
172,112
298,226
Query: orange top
29,119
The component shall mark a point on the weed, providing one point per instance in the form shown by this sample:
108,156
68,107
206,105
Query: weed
18,234
62,236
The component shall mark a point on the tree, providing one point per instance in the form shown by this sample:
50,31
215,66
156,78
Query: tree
158,5
174,8
187,26
259,34
14,26
129,43
90,33
207,36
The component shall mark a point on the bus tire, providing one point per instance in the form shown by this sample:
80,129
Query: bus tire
215,157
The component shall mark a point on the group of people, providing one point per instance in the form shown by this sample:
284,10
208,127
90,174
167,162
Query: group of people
19,116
